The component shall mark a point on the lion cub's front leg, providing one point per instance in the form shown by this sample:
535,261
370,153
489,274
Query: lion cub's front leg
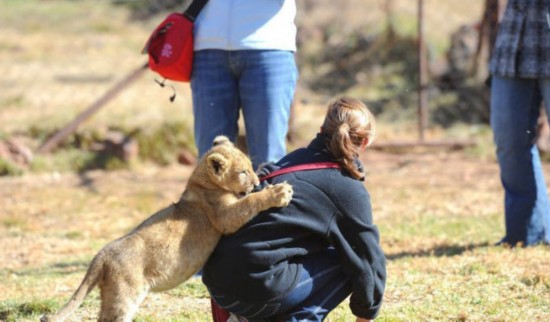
242,210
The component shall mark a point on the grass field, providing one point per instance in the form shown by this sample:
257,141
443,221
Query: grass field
439,211
438,214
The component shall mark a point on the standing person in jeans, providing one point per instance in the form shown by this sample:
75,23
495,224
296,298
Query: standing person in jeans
244,59
299,262
520,68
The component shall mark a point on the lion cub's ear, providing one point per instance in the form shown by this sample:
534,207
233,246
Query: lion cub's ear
221,139
217,165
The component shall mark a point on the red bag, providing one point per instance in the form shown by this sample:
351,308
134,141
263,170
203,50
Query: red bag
170,48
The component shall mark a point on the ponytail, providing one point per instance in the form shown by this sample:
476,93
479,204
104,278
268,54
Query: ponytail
347,124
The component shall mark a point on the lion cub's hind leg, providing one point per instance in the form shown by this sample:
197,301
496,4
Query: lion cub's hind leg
121,297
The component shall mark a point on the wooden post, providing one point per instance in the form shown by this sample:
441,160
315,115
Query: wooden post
422,103
388,11
422,75
62,134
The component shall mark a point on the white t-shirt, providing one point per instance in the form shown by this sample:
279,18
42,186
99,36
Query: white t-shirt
246,24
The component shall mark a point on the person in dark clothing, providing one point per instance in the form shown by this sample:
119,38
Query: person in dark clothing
299,262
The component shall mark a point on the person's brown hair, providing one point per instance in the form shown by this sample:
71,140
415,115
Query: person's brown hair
347,124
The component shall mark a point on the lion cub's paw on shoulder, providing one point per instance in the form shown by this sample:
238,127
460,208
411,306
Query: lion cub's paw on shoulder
281,194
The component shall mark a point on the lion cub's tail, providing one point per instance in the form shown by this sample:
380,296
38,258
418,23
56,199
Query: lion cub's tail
94,273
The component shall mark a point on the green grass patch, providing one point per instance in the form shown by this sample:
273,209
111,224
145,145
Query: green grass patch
13,222
8,168
162,144
428,226
67,159
14,311
191,288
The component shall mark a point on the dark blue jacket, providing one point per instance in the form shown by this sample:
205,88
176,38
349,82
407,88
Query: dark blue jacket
261,261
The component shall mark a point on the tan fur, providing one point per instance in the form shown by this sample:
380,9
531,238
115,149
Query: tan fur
174,243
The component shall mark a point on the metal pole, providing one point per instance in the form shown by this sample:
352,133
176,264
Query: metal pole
422,74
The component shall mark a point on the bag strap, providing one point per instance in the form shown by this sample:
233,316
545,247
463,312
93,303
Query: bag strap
194,9
302,167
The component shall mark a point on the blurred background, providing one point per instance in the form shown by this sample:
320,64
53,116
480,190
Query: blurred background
90,145
59,59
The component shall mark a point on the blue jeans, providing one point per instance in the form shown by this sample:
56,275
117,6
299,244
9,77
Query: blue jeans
515,108
322,286
261,82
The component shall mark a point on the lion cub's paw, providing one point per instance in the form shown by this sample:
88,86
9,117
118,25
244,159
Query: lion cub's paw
281,194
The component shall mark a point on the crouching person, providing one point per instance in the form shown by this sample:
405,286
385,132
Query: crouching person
299,262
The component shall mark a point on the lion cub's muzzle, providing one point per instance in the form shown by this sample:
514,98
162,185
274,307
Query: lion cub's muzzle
251,186
249,190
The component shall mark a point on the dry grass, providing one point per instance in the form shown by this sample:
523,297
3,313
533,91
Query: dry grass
439,212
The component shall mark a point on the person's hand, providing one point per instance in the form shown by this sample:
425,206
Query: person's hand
362,320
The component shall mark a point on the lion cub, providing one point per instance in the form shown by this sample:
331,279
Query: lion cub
174,243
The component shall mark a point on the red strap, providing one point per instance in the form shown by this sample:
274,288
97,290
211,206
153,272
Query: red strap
301,167
218,314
